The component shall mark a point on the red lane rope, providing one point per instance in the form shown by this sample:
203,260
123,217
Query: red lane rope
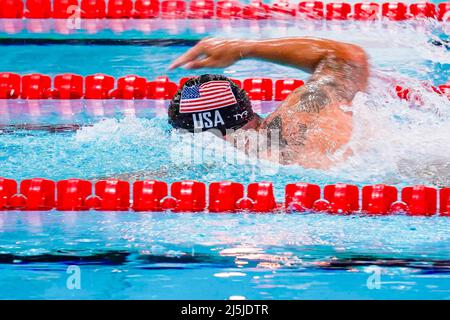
192,196
222,9
130,87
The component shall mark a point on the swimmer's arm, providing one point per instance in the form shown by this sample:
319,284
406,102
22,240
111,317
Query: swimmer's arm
335,65
300,52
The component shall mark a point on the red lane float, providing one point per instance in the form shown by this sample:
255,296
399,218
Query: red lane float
423,10
36,194
338,11
111,195
366,11
223,9
301,196
201,9
224,196
311,10
11,9
260,198
146,9
36,86
444,11
396,11
228,9
444,205
8,188
38,9
258,88
173,9
161,88
64,9
101,86
68,86
283,8
189,196
147,195
343,198
72,194
421,200
93,9
256,10
9,85
378,199
119,9
130,87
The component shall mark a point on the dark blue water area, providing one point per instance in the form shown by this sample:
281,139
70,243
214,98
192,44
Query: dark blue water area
222,256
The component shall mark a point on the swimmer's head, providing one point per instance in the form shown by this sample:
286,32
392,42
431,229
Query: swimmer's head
210,102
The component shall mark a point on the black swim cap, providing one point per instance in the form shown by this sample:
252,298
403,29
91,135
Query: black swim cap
210,102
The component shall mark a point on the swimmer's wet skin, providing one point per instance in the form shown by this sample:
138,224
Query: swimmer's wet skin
314,121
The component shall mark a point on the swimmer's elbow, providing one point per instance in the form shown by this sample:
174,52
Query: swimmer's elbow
363,65
358,55
359,60
351,53
349,65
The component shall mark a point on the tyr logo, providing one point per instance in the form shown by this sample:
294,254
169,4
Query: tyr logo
240,115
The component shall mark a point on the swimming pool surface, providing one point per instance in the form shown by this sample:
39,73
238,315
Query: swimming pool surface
127,255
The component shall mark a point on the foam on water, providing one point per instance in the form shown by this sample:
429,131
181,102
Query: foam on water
396,140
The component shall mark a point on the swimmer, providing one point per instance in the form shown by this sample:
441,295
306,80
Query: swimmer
314,121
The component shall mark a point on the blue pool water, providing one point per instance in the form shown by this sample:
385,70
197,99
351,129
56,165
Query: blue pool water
223,256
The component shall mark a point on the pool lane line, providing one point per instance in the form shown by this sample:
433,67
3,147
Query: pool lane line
129,42
98,42
153,261
51,128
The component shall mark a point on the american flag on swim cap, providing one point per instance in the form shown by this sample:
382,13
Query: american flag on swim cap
206,96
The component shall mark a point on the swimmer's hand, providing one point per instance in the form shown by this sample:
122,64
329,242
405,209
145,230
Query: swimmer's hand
211,53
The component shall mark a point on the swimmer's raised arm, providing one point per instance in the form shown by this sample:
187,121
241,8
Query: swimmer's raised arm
314,121
300,52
